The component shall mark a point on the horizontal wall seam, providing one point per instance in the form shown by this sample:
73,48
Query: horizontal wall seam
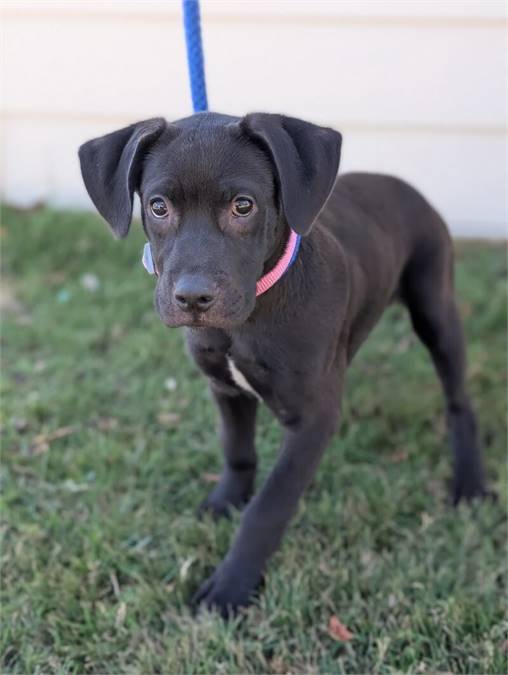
55,117
324,20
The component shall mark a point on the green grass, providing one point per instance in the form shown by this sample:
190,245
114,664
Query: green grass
101,546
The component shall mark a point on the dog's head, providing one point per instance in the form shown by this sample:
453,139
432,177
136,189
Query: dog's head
218,195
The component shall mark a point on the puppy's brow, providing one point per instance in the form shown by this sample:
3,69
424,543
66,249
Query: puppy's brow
237,186
172,190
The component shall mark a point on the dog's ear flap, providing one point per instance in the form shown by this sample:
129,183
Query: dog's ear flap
111,168
306,158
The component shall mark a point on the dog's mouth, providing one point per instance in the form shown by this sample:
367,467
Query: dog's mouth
221,316
202,321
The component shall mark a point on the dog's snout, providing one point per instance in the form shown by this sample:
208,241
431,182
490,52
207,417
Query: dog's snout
194,293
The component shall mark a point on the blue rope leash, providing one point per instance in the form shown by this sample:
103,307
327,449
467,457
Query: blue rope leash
191,22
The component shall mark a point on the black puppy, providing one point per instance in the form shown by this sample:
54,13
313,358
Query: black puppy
222,198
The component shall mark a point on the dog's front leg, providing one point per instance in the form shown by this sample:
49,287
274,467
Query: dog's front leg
268,514
237,431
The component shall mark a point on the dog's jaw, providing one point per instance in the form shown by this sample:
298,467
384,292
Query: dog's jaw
228,319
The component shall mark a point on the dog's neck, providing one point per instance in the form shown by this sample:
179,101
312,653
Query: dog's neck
280,262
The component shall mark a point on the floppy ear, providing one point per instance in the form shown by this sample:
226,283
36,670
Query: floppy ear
111,167
306,158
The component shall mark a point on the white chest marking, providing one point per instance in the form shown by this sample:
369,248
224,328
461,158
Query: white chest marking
240,380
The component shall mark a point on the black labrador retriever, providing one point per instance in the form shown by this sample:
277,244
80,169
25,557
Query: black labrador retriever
279,270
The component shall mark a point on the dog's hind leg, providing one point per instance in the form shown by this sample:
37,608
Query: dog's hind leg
427,290
237,431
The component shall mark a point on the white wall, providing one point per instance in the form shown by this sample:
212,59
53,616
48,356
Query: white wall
417,87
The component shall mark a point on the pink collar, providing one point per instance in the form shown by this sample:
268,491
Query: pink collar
281,267
266,281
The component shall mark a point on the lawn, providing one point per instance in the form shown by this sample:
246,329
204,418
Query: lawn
108,446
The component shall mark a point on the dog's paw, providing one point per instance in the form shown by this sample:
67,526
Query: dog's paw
223,499
468,490
226,592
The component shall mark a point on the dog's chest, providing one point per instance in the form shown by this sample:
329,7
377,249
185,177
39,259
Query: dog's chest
231,367
252,369
240,379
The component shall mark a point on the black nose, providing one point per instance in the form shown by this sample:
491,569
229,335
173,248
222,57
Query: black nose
194,293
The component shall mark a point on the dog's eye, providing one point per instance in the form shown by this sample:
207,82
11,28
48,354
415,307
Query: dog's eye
158,207
242,206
